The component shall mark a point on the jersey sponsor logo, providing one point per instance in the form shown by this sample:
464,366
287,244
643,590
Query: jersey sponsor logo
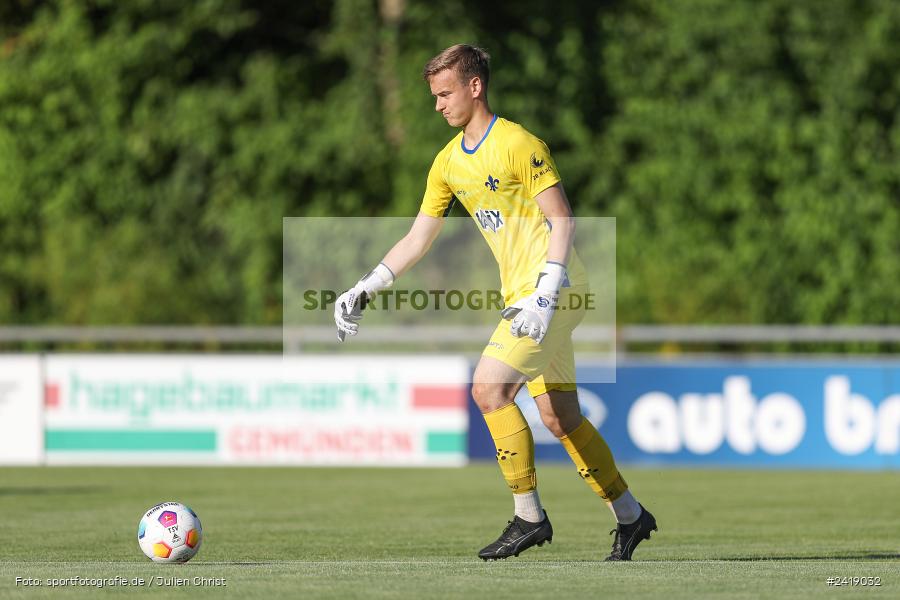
535,161
490,220
491,183
541,173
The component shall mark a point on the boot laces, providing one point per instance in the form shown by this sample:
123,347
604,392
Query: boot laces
617,541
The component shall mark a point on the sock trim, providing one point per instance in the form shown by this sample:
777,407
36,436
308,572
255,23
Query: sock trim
580,437
505,421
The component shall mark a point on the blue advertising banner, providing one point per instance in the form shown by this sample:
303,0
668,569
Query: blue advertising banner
793,414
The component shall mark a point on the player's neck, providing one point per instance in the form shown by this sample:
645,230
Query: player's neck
475,129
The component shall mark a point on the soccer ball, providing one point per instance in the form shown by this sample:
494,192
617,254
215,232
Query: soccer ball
170,532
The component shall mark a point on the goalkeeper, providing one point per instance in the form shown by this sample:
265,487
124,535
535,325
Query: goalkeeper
505,178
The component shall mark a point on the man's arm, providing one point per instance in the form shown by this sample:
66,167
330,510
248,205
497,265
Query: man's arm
531,315
555,206
414,245
405,253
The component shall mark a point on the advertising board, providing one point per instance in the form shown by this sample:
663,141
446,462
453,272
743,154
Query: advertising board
21,411
268,409
834,414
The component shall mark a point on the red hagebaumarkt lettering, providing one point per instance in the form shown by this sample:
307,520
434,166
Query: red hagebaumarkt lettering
351,442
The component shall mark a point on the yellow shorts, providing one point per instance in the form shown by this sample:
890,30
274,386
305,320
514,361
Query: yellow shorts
549,365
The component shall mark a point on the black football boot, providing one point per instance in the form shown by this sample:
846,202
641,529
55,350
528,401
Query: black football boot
629,536
518,536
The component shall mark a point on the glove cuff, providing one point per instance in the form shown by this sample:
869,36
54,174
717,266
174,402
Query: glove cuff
551,277
377,279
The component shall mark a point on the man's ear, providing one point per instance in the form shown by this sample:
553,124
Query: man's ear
475,87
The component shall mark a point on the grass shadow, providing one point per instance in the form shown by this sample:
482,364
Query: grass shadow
62,490
841,556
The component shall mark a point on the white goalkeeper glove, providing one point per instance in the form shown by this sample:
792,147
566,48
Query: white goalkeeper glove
532,314
349,305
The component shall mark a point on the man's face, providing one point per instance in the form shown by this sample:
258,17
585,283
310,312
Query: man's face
453,99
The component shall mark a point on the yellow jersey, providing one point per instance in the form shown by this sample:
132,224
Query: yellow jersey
496,182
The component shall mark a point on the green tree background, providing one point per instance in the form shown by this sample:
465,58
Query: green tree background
149,149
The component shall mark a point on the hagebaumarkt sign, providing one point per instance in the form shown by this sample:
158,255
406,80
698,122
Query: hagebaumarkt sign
401,410
21,425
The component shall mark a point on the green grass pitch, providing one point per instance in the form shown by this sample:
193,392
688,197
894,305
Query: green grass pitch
414,533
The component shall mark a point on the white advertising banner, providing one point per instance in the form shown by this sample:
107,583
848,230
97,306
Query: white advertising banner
269,409
21,422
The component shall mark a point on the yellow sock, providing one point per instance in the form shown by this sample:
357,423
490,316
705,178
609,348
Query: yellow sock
515,447
595,463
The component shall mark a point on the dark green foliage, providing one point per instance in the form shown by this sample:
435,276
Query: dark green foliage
149,149
753,160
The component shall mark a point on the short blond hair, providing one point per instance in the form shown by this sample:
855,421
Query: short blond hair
468,62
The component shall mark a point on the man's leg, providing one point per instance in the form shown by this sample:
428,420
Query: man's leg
494,389
561,414
588,450
506,363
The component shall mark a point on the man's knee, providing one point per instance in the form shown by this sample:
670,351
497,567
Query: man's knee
561,419
553,423
491,396
560,425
